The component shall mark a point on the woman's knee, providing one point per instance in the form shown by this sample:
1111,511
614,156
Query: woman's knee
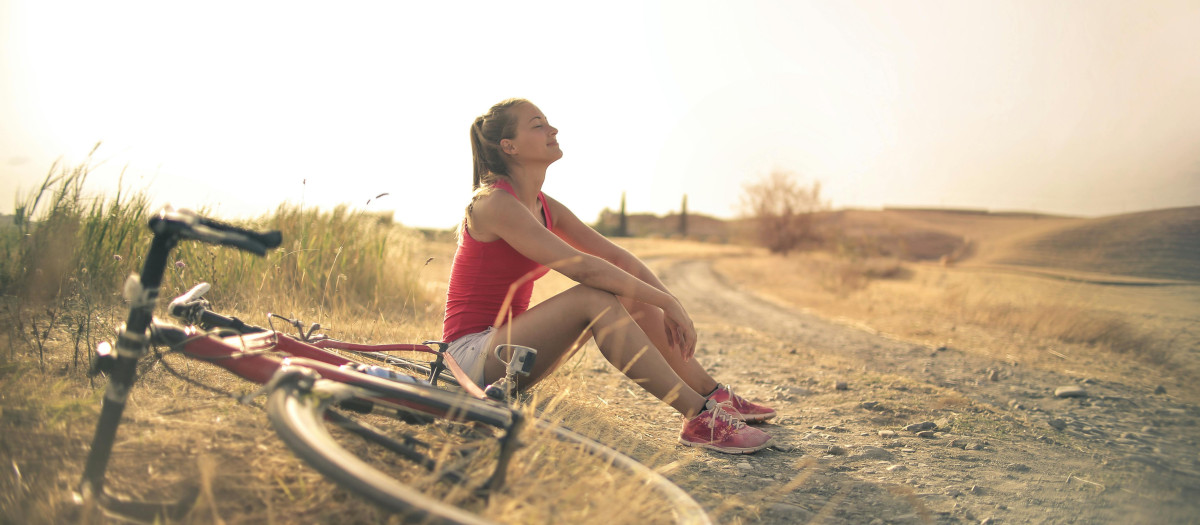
593,300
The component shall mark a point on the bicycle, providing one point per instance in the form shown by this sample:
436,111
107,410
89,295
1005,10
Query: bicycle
308,386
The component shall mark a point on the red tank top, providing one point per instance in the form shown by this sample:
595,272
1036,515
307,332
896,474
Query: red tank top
482,275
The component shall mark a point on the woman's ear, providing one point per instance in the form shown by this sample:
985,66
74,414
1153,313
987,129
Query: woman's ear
508,147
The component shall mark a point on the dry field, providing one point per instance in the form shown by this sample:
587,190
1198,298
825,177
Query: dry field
1096,296
1025,305
850,350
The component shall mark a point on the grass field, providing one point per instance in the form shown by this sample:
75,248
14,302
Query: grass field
1018,287
1047,291
362,277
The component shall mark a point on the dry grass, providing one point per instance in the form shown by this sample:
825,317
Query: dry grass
361,277
1046,311
1161,244
1059,324
656,248
176,436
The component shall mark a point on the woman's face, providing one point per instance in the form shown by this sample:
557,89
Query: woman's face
536,141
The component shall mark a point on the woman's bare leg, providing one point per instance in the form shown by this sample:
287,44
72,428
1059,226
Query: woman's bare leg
651,321
556,327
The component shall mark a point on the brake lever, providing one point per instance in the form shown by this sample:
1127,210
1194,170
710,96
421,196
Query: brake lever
295,324
181,307
315,326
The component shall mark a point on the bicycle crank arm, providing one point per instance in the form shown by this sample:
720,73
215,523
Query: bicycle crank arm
508,445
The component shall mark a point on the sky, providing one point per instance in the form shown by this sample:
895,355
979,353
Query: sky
1087,108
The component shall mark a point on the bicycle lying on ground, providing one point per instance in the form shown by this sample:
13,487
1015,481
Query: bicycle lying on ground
312,387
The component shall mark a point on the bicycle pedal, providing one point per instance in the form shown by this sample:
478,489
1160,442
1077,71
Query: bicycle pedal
522,361
496,391
357,406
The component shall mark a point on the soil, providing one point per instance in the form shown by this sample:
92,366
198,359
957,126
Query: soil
997,445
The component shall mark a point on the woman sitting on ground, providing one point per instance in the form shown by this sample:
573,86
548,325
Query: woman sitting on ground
513,234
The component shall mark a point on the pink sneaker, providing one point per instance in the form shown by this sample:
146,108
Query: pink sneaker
719,428
750,412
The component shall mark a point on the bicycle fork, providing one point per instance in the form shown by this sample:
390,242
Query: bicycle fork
121,366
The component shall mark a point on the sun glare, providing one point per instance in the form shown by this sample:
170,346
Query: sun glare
243,106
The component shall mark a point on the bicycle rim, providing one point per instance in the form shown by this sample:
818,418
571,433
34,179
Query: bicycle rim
575,478
299,419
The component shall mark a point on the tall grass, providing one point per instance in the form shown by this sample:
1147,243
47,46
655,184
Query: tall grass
65,260
342,260
68,252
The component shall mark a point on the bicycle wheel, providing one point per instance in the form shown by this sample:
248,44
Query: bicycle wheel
442,472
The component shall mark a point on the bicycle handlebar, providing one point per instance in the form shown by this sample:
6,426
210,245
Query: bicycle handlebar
169,226
189,225
192,308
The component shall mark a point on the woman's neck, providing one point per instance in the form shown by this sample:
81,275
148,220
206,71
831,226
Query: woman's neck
527,183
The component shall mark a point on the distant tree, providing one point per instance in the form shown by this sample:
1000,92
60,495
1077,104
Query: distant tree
623,224
781,210
683,225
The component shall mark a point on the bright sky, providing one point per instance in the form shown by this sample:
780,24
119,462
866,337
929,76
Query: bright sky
1075,107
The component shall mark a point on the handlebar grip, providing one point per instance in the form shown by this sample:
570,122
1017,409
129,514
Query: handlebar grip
269,239
237,240
189,225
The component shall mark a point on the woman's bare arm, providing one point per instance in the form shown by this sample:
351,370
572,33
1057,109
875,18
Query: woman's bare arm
501,215
585,239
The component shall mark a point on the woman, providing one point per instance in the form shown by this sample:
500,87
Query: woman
513,234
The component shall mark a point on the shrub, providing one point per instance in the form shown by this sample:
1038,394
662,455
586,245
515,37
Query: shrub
781,211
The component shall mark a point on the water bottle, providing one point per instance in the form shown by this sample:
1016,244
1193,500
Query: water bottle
384,373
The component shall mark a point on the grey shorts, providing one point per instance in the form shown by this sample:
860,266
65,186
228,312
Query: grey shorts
470,353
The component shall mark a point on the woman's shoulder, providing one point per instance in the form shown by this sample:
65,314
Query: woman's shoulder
560,210
491,199
489,207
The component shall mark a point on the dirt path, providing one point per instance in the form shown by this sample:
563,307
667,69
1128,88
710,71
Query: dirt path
1003,447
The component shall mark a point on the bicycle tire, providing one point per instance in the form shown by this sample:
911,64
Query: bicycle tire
300,418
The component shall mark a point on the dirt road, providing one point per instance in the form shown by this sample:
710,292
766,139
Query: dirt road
997,445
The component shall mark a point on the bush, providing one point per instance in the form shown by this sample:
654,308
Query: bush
781,211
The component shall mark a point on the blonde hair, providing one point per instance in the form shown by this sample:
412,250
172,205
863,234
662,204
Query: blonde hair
486,133
488,160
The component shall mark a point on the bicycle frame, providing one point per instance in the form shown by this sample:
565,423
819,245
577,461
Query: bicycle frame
262,357
191,308
267,357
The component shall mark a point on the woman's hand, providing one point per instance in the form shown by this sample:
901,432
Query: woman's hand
681,333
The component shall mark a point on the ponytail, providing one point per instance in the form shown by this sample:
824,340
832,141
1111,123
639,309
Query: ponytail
478,155
488,161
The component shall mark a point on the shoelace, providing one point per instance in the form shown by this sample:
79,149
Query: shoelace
722,411
733,398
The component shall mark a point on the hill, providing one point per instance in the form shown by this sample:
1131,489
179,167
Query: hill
1160,244
699,226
